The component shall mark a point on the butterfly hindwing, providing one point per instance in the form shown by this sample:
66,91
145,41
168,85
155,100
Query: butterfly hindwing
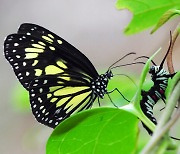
54,98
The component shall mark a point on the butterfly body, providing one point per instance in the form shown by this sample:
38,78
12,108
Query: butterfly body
60,79
150,98
160,78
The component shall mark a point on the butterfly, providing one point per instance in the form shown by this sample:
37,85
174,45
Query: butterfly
60,79
159,77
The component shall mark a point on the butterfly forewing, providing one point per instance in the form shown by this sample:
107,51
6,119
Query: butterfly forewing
54,98
31,58
73,54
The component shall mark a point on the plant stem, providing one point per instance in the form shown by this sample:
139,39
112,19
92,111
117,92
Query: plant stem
162,148
169,57
171,103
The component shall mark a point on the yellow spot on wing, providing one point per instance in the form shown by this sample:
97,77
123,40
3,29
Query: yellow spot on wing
52,89
38,46
53,100
42,43
34,50
49,95
75,101
52,48
51,69
59,41
60,82
35,62
66,78
47,39
38,72
31,55
69,90
51,36
61,64
80,107
62,101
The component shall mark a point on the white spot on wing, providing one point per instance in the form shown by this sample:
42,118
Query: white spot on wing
32,95
18,56
45,81
27,73
41,90
16,44
40,100
50,121
24,63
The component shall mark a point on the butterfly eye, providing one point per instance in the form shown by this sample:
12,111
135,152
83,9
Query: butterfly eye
109,74
152,70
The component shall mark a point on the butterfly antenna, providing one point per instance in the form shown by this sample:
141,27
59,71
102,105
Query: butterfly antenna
128,78
175,138
146,58
131,53
170,44
127,64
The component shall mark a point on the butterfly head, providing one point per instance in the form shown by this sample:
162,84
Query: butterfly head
154,69
108,74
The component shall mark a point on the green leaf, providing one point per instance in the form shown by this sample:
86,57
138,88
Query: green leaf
101,130
146,12
165,17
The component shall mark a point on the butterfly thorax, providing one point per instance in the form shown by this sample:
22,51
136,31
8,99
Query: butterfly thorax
99,85
159,76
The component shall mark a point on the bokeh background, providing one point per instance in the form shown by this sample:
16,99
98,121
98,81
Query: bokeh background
95,28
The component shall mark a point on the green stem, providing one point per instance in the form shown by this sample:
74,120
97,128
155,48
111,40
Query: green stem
162,148
137,111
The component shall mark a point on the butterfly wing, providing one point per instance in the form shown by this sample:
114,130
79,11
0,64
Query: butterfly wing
74,54
54,98
43,53
56,74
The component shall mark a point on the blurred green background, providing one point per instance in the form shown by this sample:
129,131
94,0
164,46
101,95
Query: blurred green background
96,29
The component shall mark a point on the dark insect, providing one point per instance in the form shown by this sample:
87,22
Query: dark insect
60,79
149,98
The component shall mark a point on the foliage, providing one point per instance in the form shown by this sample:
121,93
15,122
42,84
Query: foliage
102,130
146,13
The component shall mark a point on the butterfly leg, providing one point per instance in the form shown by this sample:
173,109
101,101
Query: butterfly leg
116,89
99,102
111,100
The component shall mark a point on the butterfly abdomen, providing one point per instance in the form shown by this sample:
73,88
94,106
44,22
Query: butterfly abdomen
157,91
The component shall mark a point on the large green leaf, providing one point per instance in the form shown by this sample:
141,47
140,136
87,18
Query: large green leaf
96,131
146,12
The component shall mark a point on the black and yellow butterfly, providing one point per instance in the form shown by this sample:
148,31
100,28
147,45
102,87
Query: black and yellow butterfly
60,79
